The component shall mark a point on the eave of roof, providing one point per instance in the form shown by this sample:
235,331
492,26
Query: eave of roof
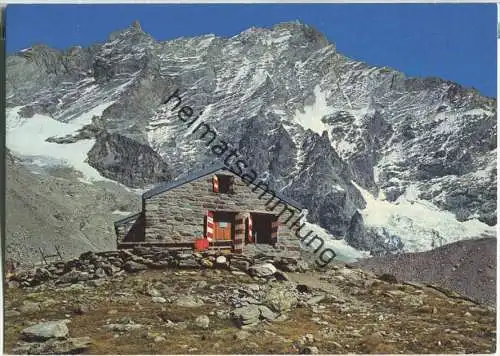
164,187
128,218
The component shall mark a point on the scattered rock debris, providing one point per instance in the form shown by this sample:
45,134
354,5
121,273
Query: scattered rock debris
148,302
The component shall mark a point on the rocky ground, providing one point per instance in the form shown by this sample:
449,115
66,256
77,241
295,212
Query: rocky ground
145,302
468,267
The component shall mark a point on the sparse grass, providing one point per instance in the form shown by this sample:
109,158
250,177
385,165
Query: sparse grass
405,328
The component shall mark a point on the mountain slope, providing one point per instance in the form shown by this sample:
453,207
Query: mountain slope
467,267
308,119
52,209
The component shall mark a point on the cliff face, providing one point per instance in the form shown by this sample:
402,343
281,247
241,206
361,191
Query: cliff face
316,123
125,160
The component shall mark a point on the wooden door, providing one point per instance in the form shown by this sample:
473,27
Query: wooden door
222,230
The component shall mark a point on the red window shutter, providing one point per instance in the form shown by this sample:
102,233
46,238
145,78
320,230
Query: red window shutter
210,224
250,230
216,184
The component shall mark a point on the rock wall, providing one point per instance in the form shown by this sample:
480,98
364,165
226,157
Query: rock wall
99,266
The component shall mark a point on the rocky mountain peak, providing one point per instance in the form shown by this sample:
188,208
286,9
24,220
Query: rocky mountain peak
133,33
298,28
286,35
136,25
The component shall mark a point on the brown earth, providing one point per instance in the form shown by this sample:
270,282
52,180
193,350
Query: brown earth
361,314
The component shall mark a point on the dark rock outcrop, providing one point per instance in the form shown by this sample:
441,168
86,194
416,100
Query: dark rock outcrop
122,159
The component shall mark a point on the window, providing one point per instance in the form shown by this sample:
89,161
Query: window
223,184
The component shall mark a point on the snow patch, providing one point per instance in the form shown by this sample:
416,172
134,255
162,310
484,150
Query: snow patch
344,252
420,224
86,118
26,137
311,117
478,111
259,77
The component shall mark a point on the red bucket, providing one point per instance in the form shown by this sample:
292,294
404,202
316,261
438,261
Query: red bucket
201,244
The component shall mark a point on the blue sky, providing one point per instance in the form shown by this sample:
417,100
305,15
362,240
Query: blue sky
455,42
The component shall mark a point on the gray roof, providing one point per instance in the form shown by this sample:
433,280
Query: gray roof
127,219
161,188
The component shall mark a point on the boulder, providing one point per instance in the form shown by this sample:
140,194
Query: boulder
242,335
159,339
132,266
72,276
42,274
29,307
153,292
223,314
281,276
72,264
389,278
189,301
158,300
90,256
185,256
202,322
262,270
310,350
84,276
267,313
81,309
247,315
190,262
96,283
252,314
302,266
281,297
201,284
123,327
107,268
13,284
316,299
303,288
47,330
11,313
54,346
240,264
221,260
206,263
100,273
